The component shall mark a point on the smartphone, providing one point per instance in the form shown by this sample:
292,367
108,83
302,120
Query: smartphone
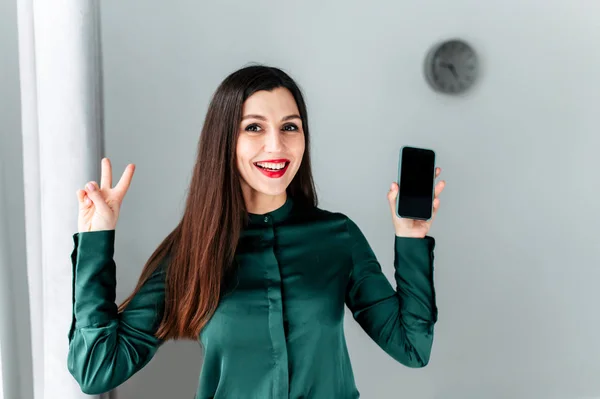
416,178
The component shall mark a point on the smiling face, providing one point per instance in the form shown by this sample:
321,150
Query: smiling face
269,148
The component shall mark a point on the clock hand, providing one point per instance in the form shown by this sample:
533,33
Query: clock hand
453,70
451,67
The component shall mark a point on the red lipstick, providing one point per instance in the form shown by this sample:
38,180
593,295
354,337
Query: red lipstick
274,174
278,160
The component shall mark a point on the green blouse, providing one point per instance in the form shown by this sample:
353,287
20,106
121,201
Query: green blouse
279,332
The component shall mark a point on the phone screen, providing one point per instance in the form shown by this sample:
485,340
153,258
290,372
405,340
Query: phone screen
416,180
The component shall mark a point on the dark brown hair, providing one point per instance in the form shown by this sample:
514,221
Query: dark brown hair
201,249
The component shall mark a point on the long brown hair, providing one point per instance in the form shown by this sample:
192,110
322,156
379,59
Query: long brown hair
201,249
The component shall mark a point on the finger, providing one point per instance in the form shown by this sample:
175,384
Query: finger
438,171
436,206
392,194
439,187
125,180
93,193
80,195
106,177
83,199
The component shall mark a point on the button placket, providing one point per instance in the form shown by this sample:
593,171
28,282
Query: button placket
276,323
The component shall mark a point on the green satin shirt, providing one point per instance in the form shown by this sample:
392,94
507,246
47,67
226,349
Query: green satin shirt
279,332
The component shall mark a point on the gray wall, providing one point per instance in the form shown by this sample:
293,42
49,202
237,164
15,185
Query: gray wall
517,259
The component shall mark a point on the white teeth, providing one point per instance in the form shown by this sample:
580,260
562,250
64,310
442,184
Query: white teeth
269,165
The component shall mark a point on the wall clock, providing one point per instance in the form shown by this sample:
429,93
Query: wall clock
451,67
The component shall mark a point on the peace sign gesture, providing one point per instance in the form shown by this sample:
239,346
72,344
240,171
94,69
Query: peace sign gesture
414,228
99,205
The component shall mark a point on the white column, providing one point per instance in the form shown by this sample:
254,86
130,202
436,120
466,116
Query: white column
31,179
62,144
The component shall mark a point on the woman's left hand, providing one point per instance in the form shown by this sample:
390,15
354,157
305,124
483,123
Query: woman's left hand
410,227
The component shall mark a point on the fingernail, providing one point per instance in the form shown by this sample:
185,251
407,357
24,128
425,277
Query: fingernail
90,187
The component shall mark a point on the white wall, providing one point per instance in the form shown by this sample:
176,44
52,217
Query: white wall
16,372
516,260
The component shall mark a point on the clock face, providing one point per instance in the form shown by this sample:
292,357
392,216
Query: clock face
451,67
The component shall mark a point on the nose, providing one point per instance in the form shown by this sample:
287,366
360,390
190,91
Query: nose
273,141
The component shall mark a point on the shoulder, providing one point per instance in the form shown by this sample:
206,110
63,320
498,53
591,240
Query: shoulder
335,218
317,213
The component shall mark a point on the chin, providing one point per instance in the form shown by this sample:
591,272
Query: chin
273,191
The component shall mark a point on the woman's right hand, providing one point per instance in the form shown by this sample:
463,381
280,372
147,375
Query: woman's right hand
99,205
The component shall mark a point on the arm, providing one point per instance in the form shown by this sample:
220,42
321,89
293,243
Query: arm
400,321
106,348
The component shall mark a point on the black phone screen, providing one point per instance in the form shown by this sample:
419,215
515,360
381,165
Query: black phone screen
415,199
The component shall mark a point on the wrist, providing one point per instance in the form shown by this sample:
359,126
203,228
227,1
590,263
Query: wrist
408,234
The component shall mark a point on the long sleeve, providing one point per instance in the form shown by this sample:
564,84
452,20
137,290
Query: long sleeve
400,321
107,348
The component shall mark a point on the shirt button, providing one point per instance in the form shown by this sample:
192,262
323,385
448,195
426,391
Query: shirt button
266,219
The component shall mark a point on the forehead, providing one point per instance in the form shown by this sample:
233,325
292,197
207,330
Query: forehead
275,102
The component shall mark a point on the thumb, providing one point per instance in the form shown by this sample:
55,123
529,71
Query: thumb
95,195
392,194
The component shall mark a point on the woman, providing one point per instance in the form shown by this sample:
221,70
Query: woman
254,269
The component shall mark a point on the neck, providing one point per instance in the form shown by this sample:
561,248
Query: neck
259,203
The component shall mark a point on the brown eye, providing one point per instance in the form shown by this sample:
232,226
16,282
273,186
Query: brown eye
253,127
290,127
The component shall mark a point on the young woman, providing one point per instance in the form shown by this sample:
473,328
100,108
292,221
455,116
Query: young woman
254,270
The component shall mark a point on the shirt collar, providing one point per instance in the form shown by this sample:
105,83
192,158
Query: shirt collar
277,215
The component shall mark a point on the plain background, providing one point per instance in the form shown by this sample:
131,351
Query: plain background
517,258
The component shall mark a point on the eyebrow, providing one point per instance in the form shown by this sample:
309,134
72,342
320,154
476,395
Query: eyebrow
262,118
